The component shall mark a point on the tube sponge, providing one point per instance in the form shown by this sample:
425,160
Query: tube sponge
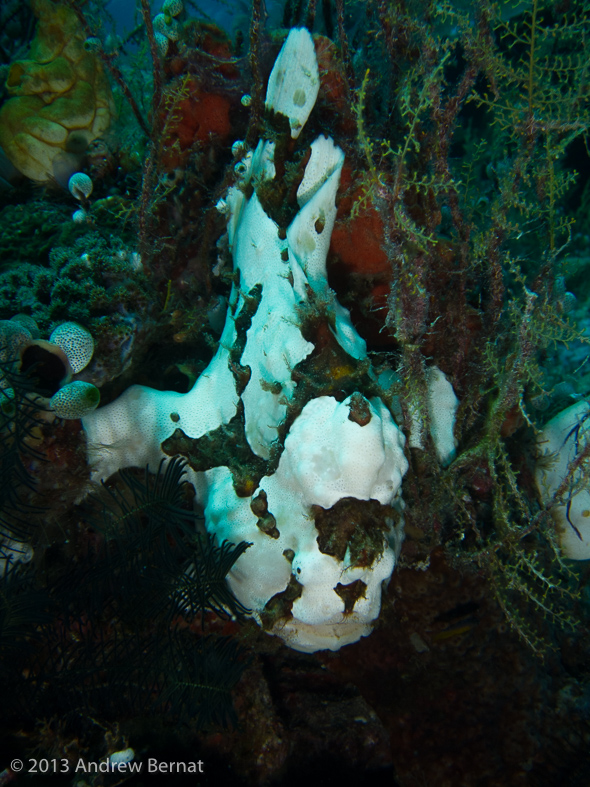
14,336
76,342
80,186
75,400
172,7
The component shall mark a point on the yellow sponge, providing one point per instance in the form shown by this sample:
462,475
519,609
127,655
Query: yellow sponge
61,99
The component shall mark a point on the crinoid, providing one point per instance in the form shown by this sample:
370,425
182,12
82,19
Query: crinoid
20,405
25,608
128,636
152,516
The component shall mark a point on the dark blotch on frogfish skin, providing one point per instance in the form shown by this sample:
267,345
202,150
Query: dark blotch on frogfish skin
359,410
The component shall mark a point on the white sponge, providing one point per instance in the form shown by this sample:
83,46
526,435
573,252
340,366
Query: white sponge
558,445
442,408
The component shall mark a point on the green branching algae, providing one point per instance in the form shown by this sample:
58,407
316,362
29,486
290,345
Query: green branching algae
485,104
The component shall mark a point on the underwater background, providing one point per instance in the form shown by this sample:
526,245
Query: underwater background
450,307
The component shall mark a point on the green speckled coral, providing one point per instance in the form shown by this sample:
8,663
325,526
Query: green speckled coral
84,282
93,282
28,231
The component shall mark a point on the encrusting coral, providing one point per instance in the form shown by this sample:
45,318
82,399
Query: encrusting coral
61,99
